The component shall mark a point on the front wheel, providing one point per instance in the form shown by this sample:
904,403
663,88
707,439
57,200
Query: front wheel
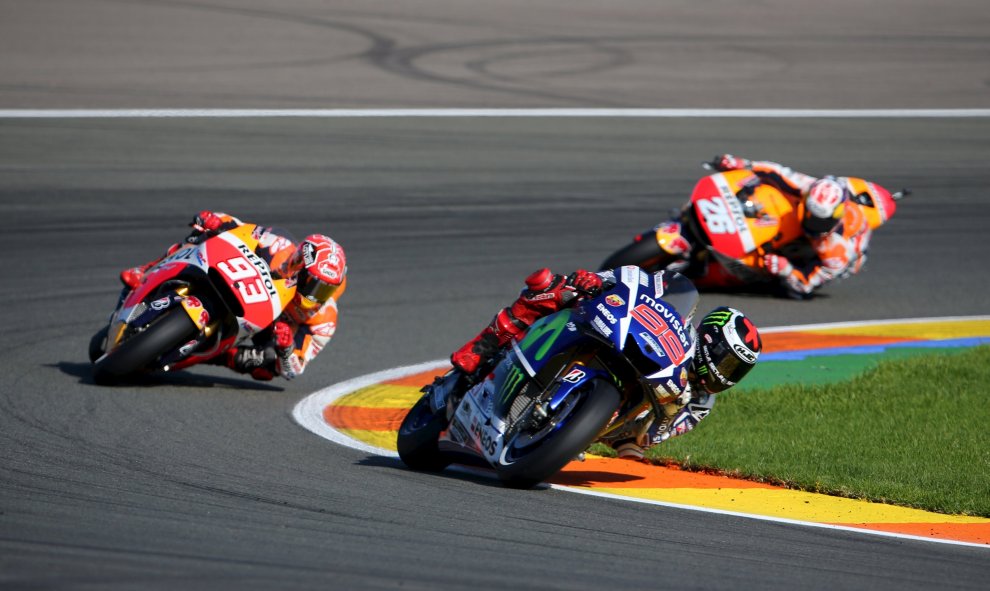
643,252
98,344
418,437
532,456
137,353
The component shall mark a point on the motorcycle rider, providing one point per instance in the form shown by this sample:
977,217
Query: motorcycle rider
728,345
317,266
836,229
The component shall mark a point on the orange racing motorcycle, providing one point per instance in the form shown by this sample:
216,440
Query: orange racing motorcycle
193,306
719,237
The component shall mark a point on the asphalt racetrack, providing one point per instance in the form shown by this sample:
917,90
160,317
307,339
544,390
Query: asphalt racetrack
201,480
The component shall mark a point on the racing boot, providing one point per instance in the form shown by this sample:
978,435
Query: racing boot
260,363
483,347
133,277
543,295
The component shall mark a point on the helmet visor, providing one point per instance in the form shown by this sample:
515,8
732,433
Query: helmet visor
727,365
315,292
817,226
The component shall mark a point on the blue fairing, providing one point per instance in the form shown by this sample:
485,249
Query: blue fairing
641,315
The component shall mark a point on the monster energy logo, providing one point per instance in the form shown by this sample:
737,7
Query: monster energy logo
512,381
718,318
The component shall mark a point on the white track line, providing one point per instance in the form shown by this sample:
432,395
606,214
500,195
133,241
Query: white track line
612,113
309,414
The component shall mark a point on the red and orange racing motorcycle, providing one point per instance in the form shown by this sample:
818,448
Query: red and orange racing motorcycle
192,306
719,237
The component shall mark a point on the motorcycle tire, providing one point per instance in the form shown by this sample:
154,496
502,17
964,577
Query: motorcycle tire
418,437
98,344
138,352
644,253
524,465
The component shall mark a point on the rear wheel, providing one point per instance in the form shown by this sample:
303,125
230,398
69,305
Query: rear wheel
418,437
137,353
532,456
643,252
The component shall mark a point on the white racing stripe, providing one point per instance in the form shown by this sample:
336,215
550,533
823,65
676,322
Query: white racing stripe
784,520
465,113
309,411
309,414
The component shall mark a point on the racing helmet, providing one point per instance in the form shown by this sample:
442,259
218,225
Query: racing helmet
320,268
728,346
823,207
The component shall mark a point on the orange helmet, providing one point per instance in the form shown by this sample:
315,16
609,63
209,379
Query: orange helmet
823,207
320,268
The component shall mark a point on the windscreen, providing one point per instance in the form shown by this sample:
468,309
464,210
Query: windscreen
678,292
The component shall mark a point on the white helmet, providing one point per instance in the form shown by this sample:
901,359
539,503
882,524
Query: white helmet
823,207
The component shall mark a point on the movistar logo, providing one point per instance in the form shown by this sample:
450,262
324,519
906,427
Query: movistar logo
718,318
549,330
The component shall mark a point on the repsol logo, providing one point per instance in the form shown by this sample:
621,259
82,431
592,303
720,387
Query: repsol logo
261,266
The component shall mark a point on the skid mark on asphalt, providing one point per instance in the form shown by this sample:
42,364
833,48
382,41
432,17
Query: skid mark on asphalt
365,414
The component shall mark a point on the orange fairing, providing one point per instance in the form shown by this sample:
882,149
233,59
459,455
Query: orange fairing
249,234
875,202
775,208
742,221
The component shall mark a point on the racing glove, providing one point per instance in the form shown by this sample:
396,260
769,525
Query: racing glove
794,283
586,282
204,224
206,221
283,337
777,265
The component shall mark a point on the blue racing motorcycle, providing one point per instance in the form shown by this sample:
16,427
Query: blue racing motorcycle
580,375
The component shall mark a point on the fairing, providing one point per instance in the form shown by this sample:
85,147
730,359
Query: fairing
224,286
633,322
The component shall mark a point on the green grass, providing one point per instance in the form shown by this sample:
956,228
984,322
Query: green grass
911,432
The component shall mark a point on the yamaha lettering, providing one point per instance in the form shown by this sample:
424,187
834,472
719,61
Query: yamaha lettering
601,327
